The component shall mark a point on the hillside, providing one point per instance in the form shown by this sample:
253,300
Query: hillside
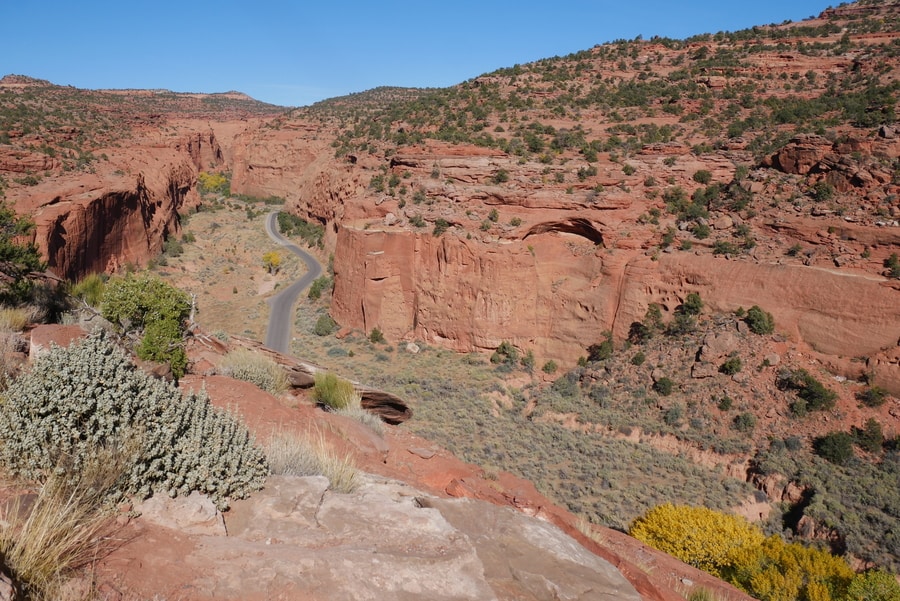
546,204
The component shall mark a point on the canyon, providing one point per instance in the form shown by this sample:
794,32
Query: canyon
546,206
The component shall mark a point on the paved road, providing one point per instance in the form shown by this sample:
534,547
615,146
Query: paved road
281,317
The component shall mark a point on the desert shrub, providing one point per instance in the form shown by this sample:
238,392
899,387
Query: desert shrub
144,303
759,321
681,324
727,546
779,571
173,247
812,394
874,585
214,183
527,361
724,247
90,289
506,354
870,437
294,454
376,336
664,386
549,367
874,396
325,325
243,364
334,392
440,226
90,396
692,305
319,285
292,225
638,358
672,416
725,403
603,350
702,176
836,447
706,539
892,264
745,422
731,366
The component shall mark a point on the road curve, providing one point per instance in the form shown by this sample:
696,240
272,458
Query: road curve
278,335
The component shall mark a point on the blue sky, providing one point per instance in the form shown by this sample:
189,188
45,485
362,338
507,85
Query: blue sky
295,53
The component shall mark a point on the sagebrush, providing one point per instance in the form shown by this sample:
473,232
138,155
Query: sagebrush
90,395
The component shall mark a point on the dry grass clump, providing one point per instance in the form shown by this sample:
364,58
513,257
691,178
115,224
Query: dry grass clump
67,526
295,454
243,364
370,420
13,319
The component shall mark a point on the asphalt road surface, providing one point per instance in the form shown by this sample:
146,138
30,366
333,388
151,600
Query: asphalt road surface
281,317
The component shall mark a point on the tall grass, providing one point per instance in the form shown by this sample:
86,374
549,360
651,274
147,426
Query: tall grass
295,454
66,528
13,319
335,392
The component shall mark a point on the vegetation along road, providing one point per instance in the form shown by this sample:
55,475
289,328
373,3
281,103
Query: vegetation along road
278,336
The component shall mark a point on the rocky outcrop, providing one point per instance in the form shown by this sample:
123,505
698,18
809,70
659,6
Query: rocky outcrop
555,293
297,539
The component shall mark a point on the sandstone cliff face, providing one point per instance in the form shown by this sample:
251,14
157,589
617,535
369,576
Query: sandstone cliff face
120,213
556,293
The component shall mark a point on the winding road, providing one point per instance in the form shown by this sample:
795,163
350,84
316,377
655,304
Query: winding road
278,336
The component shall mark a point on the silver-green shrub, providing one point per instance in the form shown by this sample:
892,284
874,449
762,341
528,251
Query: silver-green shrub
91,396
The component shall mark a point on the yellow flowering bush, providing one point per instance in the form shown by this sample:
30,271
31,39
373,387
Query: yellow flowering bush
698,536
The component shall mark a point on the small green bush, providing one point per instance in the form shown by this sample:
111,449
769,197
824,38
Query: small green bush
549,367
731,366
836,447
243,364
745,422
813,395
319,285
664,386
376,336
144,303
602,350
692,305
506,353
440,226
892,263
874,396
638,358
870,437
325,325
90,396
759,321
702,177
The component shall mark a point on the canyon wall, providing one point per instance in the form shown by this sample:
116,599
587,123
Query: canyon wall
576,268
119,211
557,293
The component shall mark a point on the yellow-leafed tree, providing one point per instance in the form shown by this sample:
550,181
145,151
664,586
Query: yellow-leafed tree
272,261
